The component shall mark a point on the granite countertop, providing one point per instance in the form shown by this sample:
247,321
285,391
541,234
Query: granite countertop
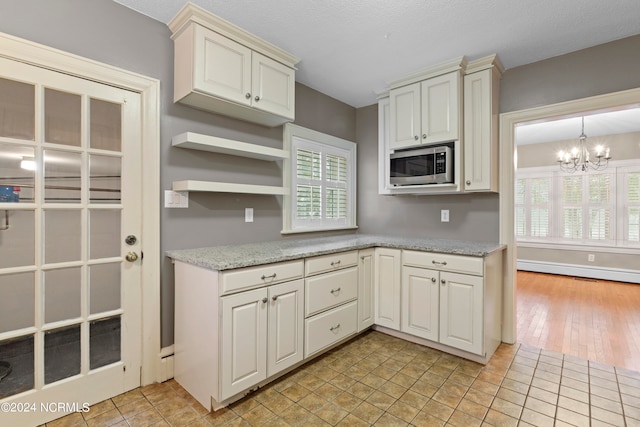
245,255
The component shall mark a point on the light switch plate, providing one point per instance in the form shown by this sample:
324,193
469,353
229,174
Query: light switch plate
248,214
444,215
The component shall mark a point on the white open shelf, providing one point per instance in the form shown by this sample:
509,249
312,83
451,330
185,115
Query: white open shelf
196,141
224,187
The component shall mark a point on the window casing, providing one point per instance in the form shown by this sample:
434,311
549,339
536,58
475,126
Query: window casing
597,208
321,177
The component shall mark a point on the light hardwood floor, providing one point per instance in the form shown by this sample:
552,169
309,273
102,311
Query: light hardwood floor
592,319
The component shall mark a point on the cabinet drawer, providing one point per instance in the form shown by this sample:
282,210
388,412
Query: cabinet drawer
324,263
263,275
330,290
444,262
330,327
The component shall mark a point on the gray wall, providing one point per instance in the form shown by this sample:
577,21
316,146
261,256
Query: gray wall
110,33
416,216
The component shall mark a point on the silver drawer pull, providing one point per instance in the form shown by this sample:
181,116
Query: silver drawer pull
439,262
336,290
335,263
273,276
333,328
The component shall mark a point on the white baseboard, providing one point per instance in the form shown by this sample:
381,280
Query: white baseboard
603,273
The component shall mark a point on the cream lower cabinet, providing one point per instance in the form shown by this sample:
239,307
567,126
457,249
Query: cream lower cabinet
387,287
262,334
462,311
366,276
420,302
453,300
331,300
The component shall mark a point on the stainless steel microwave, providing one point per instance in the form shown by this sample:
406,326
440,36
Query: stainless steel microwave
430,165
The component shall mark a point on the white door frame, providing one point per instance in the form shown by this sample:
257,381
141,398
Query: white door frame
43,56
508,164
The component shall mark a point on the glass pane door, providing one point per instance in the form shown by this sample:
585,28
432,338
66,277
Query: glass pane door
69,301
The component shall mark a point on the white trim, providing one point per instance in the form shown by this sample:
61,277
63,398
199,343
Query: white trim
603,273
17,49
508,122
298,135
581,248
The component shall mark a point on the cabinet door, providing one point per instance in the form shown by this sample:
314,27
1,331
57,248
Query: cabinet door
222,67
461,311
286,325
273,86
244,341
387,287
480,132
420,302
405,116
440,118
366,273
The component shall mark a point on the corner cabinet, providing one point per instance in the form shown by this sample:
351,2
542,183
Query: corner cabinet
221,68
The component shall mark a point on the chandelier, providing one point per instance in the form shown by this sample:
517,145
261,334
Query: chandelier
579,158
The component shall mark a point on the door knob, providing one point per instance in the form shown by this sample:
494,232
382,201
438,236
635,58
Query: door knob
131,256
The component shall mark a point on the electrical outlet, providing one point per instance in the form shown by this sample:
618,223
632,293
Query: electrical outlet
176,199
591,257
444,215
248,214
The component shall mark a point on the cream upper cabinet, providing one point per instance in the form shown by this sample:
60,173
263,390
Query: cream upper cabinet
481,112
426,112
221,68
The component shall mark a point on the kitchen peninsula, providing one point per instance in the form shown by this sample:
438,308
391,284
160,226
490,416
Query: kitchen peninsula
247,314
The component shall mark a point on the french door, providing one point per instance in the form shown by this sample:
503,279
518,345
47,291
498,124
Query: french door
70,225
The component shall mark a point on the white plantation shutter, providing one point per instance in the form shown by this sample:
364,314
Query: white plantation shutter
539,202
586,208
599,191
520,208
632,193
321,176
572,207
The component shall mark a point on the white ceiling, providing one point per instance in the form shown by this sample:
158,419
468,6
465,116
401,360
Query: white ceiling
350,49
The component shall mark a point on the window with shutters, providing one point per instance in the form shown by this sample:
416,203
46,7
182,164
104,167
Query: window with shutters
591,209
321,177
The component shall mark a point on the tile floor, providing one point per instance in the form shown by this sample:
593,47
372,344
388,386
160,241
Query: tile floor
380,380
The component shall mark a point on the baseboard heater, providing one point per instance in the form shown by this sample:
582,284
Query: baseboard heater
603,273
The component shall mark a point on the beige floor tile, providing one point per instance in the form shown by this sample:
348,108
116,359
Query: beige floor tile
347,401
403,411
368,412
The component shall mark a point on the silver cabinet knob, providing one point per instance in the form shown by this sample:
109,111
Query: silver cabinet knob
433,279
424,136
275,297
264,300
416,137
444,282
131,257
468,182
247,95
257,98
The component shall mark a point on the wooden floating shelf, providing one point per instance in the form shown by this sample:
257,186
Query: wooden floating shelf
196,141
224,187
